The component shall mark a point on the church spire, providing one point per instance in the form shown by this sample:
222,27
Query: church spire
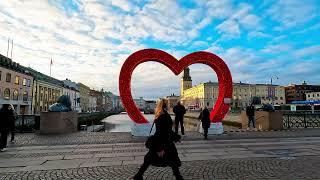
186,74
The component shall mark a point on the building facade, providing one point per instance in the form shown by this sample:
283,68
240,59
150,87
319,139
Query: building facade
206,94
84,97
172,101
313,95
100,101
108,101
296,92
71,89
15,86
46,91
74,96
140,103
92,104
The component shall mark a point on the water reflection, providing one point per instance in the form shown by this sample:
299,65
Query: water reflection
122,123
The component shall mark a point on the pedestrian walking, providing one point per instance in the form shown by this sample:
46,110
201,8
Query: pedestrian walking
205,120
6,116
162,150
250,114
13,123
179,111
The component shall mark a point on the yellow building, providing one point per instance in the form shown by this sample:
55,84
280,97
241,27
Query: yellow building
206,94
46,91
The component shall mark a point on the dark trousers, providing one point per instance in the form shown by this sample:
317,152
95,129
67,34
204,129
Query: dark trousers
205,131
3,139
12,135
177,121
146,164
251,119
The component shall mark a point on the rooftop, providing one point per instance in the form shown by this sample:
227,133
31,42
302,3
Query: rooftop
9,64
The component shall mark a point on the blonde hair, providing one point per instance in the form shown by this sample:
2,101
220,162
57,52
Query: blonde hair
160,107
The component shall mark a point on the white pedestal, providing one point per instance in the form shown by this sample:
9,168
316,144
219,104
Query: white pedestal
142,129
215,128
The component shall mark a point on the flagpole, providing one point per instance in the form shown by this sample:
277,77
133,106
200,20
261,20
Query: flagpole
8,48
50,66
11,47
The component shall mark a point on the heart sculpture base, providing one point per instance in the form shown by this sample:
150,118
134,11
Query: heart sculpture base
142,129
215,128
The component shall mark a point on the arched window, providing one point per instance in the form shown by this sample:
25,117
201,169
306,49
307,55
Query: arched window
25,96
15,95
6,94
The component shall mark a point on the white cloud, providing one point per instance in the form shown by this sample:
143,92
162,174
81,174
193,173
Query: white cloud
240,19
230,27
278,48
124,5
258,34
293,12
307,51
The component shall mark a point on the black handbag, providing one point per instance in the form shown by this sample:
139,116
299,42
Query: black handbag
150,140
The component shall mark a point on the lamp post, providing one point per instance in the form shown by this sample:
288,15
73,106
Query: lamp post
271,88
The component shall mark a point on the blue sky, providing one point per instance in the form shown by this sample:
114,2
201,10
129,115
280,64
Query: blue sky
89,40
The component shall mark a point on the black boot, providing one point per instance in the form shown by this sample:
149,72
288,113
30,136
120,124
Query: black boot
176,173
179,177
138,177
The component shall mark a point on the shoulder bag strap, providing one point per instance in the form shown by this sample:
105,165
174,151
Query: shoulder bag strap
151,128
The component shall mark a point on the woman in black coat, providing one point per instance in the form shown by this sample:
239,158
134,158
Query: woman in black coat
162,151
6,116
205,119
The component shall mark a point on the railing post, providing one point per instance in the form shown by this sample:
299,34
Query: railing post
288,121
304,120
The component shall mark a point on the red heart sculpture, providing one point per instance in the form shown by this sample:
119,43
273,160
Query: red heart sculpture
222,104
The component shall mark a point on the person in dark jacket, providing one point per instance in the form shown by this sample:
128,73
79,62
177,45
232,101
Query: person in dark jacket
205,120
13,123
179,111
250,114
6,116
163,152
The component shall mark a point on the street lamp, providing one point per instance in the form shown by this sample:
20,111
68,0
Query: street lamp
271,88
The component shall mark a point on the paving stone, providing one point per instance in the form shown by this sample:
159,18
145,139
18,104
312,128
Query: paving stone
103,163
94,149
125,158
137,161
20,163
112,155
80,156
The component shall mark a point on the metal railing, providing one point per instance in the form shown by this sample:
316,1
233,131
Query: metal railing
301,120
27,123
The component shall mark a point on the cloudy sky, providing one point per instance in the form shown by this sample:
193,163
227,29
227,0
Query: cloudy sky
89,40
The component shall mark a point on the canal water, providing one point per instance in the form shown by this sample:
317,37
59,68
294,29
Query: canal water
122,123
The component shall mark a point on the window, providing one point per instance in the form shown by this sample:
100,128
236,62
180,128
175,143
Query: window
25,96
8,77
24,83
6,93
0,75
207,103
318,95
15,95
281,98
16,80
28,82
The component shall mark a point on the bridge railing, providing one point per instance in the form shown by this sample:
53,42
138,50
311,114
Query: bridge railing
301,120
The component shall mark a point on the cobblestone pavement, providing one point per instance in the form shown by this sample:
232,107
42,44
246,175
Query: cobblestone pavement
251,158
103,138
256,168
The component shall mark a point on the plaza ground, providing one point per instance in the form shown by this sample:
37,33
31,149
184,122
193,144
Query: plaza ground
233,155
